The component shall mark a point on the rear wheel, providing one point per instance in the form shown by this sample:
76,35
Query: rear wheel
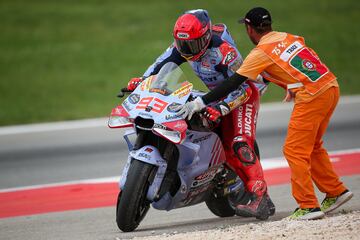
132,204
220,206
223,206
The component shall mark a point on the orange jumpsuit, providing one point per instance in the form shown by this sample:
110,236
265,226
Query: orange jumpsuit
285,60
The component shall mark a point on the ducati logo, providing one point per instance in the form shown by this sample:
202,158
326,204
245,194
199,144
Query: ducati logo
182,35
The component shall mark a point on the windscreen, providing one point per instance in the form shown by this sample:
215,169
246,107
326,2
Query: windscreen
169,79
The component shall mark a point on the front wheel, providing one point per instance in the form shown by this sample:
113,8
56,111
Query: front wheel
132,204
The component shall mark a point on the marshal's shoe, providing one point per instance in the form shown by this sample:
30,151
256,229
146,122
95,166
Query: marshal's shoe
307,214
331,203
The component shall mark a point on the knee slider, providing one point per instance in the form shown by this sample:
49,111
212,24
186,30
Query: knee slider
244,153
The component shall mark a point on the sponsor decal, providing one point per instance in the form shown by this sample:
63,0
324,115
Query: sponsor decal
224,110
240,119
144,155
160,161
178,125
230,56
197,140
204,178
197,191
182,35
173,106
239,139
245,124
205,63
145,85
170,117
125,104
183,91
118,111
156,125
149,150
248,119
234,187
145,114
160,91
134,98
214,54
235,65
208,79
238,97
290,51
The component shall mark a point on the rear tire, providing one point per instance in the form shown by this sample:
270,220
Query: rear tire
132,204
224,206
220,206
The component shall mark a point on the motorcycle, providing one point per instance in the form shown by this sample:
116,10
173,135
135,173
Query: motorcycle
173,163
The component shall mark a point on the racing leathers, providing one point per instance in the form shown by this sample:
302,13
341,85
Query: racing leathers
237,128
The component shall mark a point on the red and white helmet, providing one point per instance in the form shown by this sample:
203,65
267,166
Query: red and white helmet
192,34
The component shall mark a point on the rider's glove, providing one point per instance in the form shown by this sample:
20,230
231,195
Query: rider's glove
133,83
220,109
190,108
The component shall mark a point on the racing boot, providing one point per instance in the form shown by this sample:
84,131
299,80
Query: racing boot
258,206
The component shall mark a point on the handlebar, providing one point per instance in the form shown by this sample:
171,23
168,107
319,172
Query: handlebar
122,92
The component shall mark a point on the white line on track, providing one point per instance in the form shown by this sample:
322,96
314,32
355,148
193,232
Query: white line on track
54,126
67,183
102,122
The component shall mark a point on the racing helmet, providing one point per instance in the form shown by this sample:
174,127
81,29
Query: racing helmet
192,34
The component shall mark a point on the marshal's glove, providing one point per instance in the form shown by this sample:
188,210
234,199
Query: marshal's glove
190,108
214,113
133,83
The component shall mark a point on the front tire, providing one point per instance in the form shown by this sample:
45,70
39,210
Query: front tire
132,204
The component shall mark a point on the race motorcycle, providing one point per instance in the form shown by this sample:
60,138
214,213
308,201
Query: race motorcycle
173,163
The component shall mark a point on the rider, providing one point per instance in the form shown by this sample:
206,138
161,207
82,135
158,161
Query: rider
212,54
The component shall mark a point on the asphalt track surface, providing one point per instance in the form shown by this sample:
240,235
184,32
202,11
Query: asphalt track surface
79,150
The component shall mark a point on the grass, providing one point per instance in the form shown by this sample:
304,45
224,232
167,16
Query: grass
64,60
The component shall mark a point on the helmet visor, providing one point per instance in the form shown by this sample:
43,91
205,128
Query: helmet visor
189,48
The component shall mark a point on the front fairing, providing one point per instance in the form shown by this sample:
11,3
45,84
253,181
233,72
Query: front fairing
154,105
157,99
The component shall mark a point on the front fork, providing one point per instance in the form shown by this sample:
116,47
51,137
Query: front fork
144,151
